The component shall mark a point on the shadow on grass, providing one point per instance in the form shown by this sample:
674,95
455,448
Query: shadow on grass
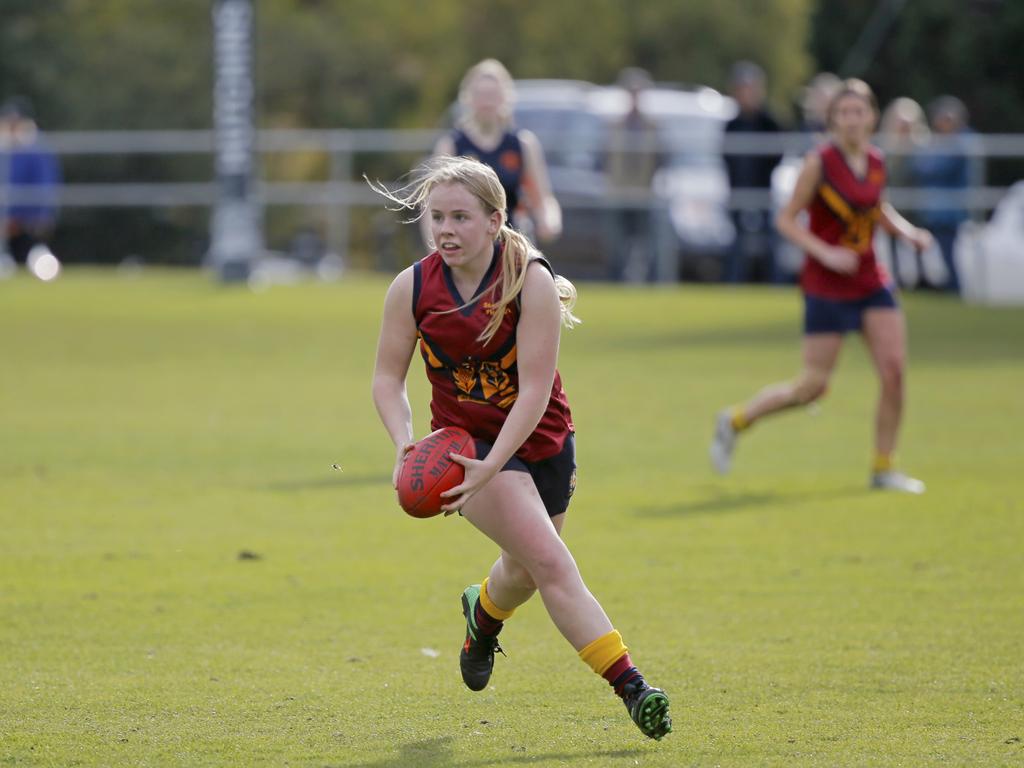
944,331
437,753
726,501
328,481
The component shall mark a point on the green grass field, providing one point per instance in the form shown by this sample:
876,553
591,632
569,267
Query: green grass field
153,429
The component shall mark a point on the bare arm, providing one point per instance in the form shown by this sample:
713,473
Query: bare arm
544,208
537,337
896,225
394,351
836,258
536,357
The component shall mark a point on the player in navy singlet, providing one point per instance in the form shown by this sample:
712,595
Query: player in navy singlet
845,288
486,132
484,310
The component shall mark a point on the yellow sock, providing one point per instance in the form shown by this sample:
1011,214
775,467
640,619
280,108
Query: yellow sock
883,462
488,605
739,419
603,652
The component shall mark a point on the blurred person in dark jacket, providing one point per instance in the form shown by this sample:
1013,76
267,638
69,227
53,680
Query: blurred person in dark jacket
32,176
751,173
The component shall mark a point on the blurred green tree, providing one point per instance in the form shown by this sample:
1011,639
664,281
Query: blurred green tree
128,64
137,64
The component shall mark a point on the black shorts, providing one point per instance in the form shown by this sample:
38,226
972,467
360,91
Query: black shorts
555,477
842,316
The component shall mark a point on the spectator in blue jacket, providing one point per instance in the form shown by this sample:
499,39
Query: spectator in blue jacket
32,179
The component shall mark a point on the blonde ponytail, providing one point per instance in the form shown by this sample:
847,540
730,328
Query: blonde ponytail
516,254
567,301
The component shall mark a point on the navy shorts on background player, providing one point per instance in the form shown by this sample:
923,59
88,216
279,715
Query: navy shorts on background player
843,316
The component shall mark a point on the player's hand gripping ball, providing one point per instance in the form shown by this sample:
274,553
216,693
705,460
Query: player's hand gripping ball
427,472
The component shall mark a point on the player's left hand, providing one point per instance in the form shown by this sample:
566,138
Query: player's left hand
549,222
921,239
478,473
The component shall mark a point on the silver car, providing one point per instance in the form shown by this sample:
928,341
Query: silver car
574,120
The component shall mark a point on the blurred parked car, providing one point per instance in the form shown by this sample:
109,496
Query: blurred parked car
573,137
692,178
573,120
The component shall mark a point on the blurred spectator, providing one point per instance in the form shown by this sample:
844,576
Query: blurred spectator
751,173
32,169
817,95
903,132
633,159
941,169
485,131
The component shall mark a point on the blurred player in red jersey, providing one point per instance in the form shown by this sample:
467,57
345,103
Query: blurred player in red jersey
842,185
485,310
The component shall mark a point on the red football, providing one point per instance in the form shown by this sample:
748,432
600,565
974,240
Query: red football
427,472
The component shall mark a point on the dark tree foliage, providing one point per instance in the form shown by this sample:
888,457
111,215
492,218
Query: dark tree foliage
146,64
972,49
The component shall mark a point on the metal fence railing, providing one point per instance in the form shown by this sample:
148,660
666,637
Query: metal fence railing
342,190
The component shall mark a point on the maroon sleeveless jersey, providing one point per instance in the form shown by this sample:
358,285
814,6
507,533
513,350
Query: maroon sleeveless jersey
475,385
845,211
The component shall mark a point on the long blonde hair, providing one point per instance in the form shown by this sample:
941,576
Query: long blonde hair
516,252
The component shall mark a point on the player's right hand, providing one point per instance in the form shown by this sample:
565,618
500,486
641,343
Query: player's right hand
840,259
403,449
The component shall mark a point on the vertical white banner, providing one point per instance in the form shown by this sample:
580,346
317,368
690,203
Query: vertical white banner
236,237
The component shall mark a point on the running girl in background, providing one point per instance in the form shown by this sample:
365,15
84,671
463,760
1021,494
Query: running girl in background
845,289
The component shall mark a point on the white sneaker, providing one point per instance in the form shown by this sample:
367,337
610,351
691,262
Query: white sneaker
723,443
890,480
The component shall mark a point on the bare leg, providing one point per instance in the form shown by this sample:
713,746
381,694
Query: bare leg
820,352
886,337
509,584
509,511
